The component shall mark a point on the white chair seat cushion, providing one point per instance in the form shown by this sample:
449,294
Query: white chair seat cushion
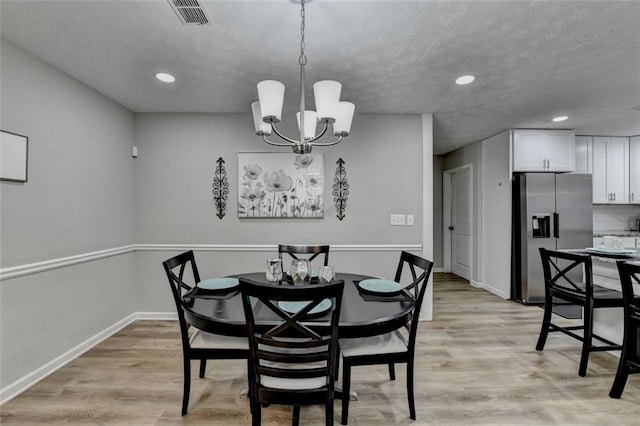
394,342
203,340
293,384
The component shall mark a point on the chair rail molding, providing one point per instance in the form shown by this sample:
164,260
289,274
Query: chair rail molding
34,268
272,247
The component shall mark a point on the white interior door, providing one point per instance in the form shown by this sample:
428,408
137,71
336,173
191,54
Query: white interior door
461,223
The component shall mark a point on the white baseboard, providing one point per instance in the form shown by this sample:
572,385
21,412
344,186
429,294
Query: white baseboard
14,389
490,289
438,270
156,316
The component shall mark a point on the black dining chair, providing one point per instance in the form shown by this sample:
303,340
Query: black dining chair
630,358
568,277
289,362
308,252
391,348
183,275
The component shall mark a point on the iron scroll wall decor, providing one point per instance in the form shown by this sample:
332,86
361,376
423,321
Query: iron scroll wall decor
340,189
220,188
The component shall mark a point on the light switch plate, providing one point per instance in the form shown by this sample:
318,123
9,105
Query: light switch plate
398,220
409,220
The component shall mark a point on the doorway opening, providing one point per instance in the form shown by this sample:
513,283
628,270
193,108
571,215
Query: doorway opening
457,218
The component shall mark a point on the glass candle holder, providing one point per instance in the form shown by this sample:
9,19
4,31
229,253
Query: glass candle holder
326,274
300,271
274,270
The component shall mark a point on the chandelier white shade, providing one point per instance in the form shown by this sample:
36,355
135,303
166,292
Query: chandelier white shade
310,123
271,98
262,128
327,96
267,111
344,117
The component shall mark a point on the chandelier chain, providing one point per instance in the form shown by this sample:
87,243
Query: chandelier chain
303,58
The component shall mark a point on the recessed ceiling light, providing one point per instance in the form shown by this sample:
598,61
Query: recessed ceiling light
166,78
465,79
560,118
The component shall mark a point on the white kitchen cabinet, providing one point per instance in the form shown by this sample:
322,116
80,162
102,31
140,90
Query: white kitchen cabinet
544,150
610,170
634,170
584,154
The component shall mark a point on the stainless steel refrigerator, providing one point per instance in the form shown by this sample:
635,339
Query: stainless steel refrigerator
550,210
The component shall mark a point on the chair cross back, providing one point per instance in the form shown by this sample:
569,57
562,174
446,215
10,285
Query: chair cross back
314,251
560,280
291,320
629,272
417,279
418,286
178,284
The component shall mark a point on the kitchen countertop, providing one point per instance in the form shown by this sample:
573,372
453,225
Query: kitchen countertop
617,233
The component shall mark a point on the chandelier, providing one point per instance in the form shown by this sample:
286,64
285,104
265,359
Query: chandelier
267,111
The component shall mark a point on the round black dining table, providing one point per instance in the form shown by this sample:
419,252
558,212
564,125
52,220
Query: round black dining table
362,315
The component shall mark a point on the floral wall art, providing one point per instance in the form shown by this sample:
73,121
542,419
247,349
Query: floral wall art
280,185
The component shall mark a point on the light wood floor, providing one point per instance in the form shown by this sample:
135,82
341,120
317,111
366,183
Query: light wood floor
476,364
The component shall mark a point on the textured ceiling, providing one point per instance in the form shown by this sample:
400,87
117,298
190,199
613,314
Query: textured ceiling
533,59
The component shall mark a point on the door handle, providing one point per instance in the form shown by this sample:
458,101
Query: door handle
451,228
556,225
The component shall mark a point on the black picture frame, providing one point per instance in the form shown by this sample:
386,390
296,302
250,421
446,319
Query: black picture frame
14,154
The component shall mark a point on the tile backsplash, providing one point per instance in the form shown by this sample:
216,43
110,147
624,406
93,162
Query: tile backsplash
614,217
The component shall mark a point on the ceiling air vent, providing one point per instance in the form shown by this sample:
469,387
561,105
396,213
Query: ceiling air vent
190,12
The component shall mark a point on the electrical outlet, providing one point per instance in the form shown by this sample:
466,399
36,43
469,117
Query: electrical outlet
398,220
409,220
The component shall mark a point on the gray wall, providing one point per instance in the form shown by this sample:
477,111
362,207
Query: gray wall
174,173
437,211
79,198
495,211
